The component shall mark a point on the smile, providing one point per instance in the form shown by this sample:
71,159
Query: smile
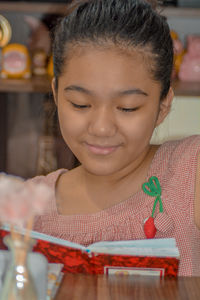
101,150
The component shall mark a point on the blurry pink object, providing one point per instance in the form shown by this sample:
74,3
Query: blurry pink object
178,47
20,201
193,48
40,195
190,67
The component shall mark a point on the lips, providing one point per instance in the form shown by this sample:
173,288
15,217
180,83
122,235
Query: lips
101,150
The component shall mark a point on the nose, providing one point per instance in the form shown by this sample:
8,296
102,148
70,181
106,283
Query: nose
102,123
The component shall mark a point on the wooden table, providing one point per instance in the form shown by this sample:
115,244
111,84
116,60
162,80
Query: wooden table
86,287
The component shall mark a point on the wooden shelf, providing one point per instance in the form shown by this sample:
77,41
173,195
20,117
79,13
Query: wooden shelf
182,88
37,84
42,84
33,7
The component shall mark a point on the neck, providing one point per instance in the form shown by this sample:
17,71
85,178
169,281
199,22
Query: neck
135,172
96,193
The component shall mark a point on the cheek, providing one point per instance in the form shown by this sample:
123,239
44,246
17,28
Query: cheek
142,125
71,127
150,116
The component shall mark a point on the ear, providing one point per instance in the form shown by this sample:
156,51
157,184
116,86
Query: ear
165,107
54,90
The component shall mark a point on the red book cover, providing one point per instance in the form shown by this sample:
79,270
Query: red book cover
120,257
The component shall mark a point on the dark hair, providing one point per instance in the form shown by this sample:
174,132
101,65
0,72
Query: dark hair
129,23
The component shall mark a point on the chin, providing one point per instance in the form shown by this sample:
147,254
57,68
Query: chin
101,169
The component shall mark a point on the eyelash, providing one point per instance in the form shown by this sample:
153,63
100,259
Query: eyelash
80,106
126,110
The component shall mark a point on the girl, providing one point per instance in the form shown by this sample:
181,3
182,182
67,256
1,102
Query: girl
112,62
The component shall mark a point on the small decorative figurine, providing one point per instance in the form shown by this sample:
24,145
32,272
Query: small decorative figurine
50,66
15,62
179,52
5,31
39,62
190,67
5,35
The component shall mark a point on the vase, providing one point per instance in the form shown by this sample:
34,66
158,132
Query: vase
18,283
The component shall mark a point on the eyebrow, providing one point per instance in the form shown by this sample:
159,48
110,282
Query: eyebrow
132,92
78,89
120,93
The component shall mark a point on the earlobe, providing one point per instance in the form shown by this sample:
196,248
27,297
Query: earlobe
53,86
165,106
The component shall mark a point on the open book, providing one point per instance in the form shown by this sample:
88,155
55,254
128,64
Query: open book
140,257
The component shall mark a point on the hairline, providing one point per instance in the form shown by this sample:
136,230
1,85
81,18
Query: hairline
101,43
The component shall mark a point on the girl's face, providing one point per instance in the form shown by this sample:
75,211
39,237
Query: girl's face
108,106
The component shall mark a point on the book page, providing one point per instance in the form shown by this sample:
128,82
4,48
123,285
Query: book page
148,247
151,247
147,243
49,238
159,252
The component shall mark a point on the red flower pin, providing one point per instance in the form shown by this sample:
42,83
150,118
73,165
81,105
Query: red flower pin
152,188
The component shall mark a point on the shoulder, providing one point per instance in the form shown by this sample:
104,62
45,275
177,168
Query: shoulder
190,142
176,156
50,179
182,174
176,167
183,150
182,159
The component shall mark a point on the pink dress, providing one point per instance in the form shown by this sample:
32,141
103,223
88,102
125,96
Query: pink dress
175,165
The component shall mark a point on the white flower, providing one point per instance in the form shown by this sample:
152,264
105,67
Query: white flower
20,200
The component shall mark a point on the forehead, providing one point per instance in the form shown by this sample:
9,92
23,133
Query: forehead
107,68
107,58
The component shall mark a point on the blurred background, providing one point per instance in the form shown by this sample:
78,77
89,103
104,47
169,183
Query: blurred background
30,141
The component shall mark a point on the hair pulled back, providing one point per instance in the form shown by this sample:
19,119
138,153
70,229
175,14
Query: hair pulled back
129,23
